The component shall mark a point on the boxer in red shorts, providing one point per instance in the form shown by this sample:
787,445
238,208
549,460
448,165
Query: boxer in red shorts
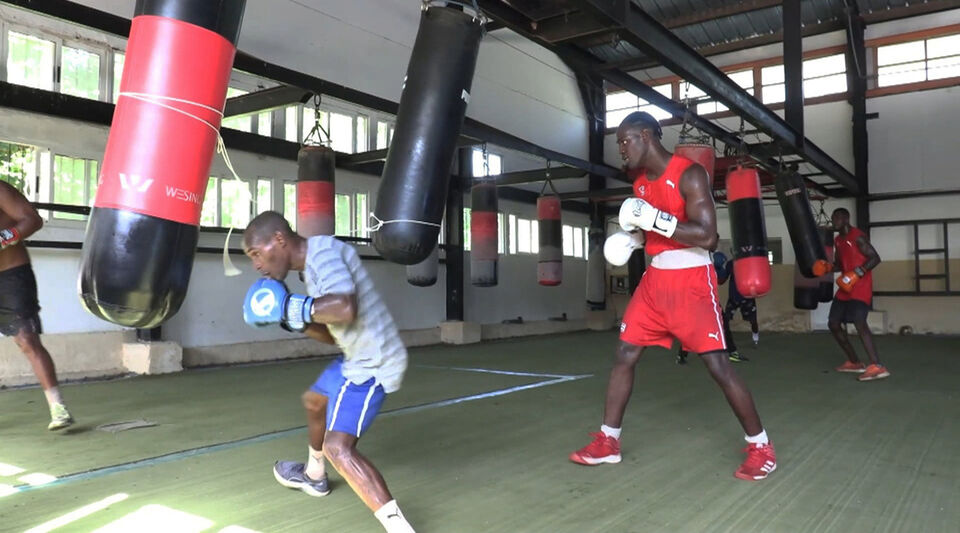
677,296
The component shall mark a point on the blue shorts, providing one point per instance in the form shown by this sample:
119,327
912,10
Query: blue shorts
351,408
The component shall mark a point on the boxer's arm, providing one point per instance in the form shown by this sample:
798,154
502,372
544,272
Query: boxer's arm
867,249
334,309
320,333
700,229
16,206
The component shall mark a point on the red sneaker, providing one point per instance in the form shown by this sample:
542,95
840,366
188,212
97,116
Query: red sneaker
603,449
847,366
761,460
874,372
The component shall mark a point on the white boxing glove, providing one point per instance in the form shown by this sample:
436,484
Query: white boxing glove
636,213
620,246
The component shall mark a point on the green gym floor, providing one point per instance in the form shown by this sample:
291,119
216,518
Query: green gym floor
853,457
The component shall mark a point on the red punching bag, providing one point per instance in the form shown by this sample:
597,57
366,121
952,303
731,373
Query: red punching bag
550,260
751,265
698,153
315,191
484,233
143,229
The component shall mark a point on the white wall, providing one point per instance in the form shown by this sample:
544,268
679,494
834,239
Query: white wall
518,86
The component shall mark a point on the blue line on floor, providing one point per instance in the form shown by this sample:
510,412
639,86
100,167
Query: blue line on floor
203,450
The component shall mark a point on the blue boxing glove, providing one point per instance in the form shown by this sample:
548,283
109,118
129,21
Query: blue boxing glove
269,302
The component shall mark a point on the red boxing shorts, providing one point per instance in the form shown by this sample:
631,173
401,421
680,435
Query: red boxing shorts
676,303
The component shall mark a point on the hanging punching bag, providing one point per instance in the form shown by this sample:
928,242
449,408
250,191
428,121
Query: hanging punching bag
424,273
143,229
596,270
797,213
550,260
698,153
416,175
751,266
484,230
315,191
805,290
825,289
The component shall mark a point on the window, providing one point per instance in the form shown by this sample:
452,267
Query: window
74,183
512,233
242,122
384,134
264,127
290,204
341,132
363,133
362,216
916,61
264,195
578,243
290,124
705,105
118,58
209,212
567,240
524,239
234,203
466,229
486,164
80,73
341,215
18,165
30,61
622,103
534,237
501,233
824,75
772,80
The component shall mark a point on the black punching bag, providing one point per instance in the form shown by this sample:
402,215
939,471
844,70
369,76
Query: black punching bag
424,273
805,290
143,229
802,227
825,289
416,175
596,270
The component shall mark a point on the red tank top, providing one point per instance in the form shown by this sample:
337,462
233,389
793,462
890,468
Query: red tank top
664,194
850,257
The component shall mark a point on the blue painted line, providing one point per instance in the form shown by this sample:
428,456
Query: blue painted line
265,437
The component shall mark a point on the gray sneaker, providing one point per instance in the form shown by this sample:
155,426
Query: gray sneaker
59,417
293,475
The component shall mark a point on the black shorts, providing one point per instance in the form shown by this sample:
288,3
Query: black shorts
19,307
848,311
747,307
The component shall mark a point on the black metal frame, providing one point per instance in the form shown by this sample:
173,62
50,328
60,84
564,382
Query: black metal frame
917,252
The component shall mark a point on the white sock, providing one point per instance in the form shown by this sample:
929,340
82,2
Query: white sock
756,337
53,396
759,439
316,468
392,519
610,432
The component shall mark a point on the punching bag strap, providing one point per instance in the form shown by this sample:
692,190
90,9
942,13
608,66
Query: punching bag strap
477,13
229,269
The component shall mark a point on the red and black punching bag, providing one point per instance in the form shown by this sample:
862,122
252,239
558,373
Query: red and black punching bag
596,270
805,290
698,153
315,191
424,273
484,230
802,227
751,265
143,229
550,260
825,290
413,191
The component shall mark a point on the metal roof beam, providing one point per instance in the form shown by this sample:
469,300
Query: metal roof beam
265,99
